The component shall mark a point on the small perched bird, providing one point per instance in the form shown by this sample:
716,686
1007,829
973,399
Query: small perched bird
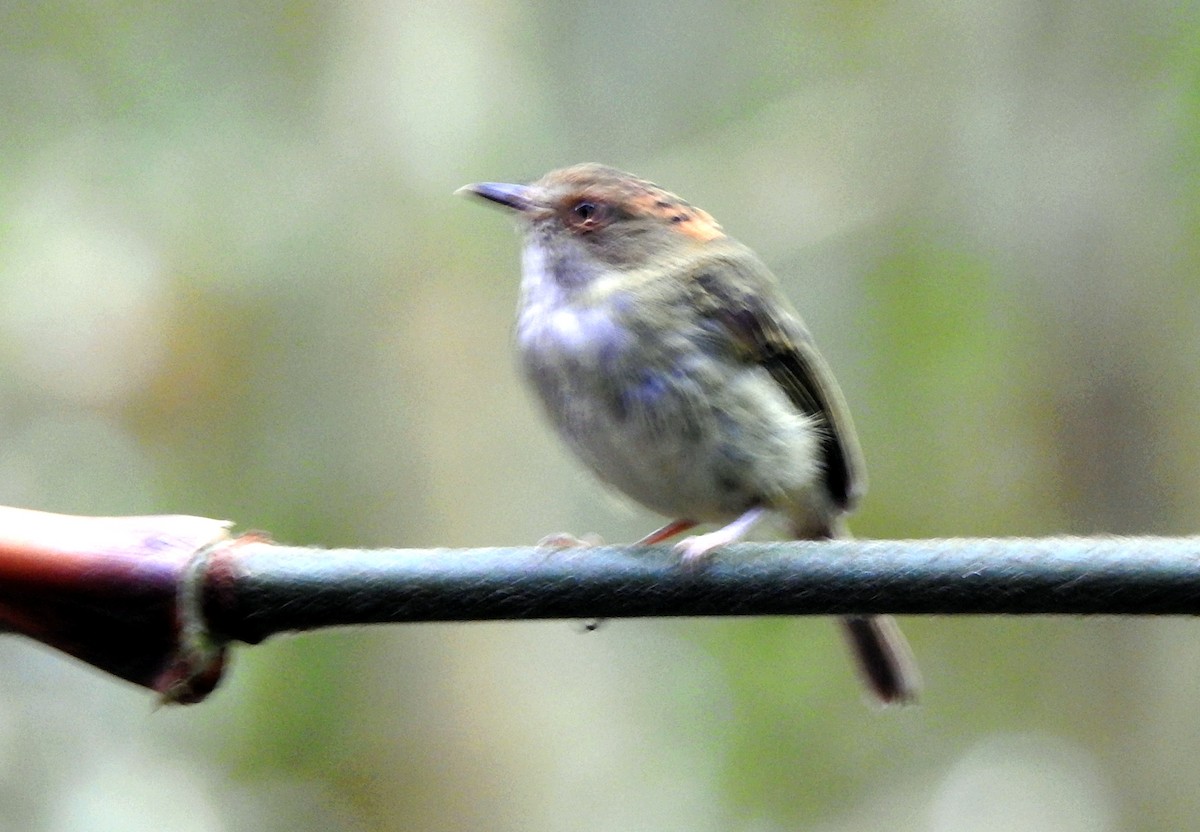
669,360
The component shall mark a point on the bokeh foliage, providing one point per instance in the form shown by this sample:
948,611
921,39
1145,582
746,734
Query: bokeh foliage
233,282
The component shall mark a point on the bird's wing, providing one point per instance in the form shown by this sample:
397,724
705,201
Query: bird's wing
766,331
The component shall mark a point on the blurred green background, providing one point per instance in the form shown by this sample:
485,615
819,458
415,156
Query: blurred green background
234,283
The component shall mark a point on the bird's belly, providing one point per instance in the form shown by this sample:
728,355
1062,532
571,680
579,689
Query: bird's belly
684,433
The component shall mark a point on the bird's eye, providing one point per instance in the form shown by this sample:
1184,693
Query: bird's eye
588,215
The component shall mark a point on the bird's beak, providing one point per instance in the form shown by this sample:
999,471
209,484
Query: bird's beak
517,197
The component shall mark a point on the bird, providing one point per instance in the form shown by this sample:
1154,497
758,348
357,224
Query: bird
669,360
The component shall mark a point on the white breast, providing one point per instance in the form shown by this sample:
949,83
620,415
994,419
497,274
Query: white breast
551,319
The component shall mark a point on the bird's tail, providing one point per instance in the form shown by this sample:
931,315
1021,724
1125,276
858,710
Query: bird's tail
885,661
884,658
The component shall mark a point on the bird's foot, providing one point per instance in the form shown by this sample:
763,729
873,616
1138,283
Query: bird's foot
693,551
554,544
565,540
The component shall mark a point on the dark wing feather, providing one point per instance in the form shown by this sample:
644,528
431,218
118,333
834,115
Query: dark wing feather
766,331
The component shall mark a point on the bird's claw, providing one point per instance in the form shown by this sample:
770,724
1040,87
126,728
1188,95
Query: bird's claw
566,540
694,551
552,544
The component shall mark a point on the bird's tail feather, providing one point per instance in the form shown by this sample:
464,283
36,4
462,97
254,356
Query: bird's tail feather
884,659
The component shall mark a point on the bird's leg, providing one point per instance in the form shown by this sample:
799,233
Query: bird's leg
694,549
666,532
